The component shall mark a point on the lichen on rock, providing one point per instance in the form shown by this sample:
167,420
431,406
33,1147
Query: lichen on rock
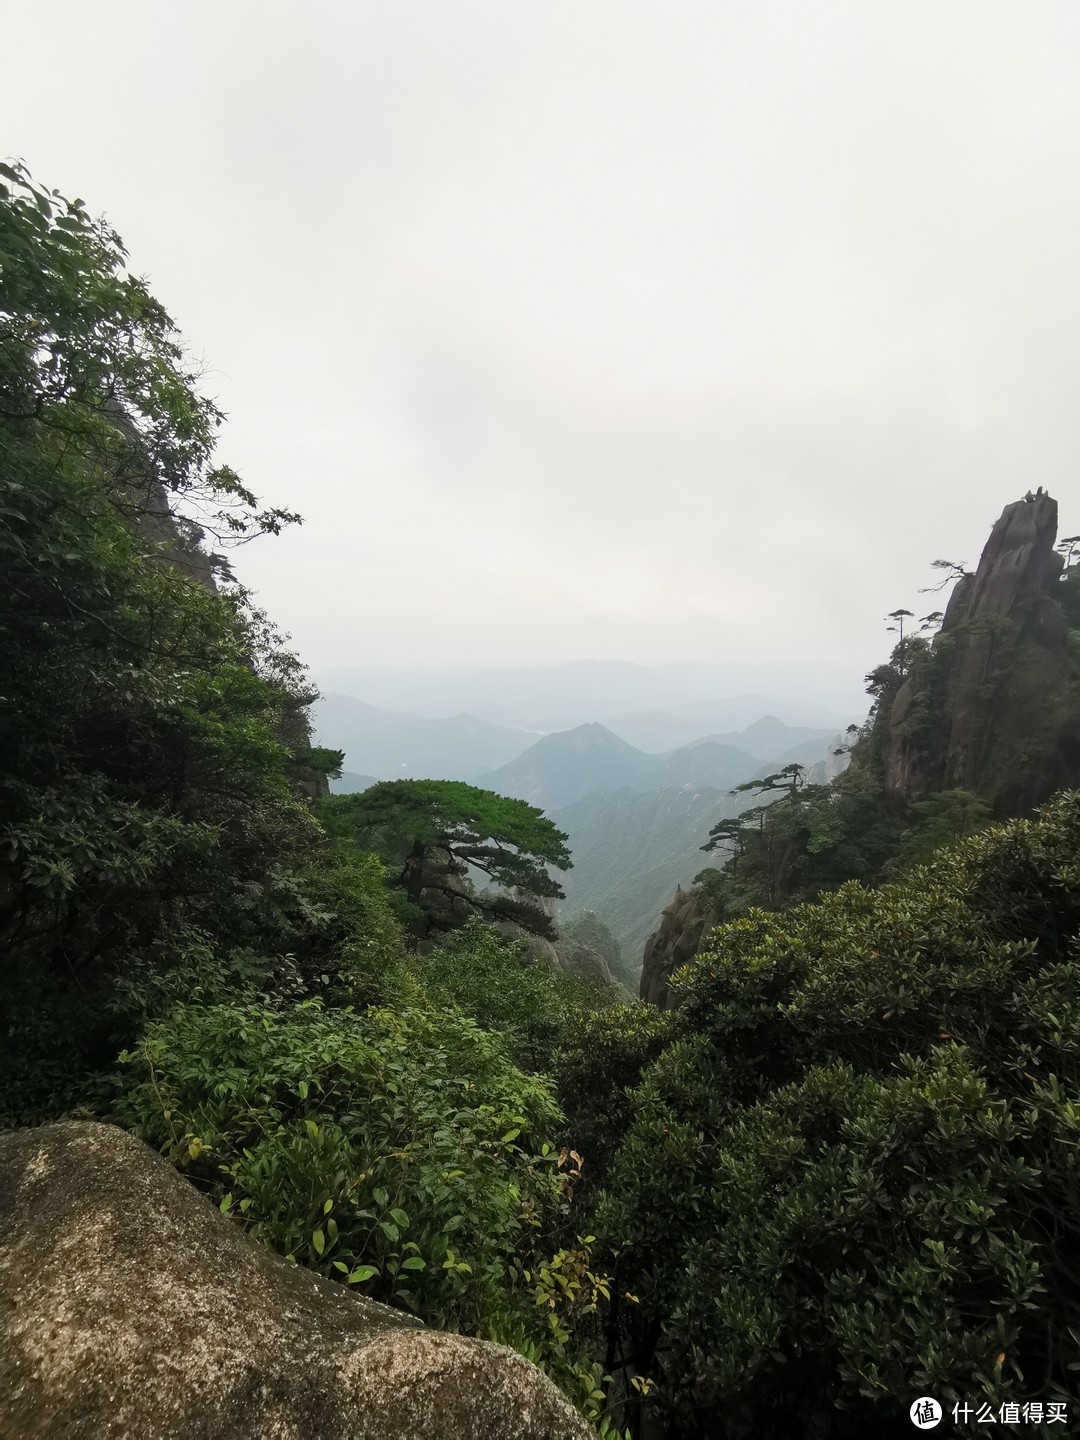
130,1307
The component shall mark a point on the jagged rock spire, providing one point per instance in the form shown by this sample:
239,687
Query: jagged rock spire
996,711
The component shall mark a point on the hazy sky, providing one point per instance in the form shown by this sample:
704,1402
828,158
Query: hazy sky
664,331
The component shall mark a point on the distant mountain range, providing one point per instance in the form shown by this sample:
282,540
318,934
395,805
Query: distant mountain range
636,747
749,722
635,820
562,769
390,745
547,698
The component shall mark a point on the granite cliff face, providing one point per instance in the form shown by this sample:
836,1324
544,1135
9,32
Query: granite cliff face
538,948
995,707
682,923
587,962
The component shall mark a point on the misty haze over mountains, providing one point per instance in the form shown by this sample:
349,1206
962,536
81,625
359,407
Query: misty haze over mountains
635,763
457,724
544,698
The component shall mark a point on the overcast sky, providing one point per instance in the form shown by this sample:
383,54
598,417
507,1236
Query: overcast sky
664,331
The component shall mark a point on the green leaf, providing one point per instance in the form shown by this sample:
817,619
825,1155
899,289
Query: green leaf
362,1273
318,1239
399,1217
414,1262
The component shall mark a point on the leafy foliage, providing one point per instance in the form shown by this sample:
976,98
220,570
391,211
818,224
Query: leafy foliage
150,725
436,830
597,1067
940,820
383,1114
897,1073
398,1151
490,978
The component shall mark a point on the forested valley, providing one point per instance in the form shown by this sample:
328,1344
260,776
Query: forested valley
827,1165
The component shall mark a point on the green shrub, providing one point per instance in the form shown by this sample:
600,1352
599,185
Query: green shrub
400,1152
491,979
853,1174
598,1065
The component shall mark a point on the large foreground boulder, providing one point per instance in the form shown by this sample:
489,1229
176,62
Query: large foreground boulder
130,1307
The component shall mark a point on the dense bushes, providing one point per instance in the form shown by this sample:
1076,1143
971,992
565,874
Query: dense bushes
490,978
381,1144
399,1151
150,727
599,1062
853,1175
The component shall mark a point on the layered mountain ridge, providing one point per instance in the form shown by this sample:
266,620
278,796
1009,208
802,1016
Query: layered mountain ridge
561,769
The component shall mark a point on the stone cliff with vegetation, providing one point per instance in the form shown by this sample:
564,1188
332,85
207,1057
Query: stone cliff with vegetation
675,941
981,721
993,706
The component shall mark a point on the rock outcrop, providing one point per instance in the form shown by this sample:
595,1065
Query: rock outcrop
996,710
539,949
682,923
587,961
129,1307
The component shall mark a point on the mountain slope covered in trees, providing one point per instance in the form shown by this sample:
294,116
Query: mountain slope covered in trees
631,848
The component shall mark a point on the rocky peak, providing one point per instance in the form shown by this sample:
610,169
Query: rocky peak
1019,565
672,944
994,708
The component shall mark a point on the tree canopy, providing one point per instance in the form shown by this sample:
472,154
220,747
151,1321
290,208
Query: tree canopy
844,1172
152,725
437,830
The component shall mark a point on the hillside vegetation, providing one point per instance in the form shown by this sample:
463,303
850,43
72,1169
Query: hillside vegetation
843,1169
